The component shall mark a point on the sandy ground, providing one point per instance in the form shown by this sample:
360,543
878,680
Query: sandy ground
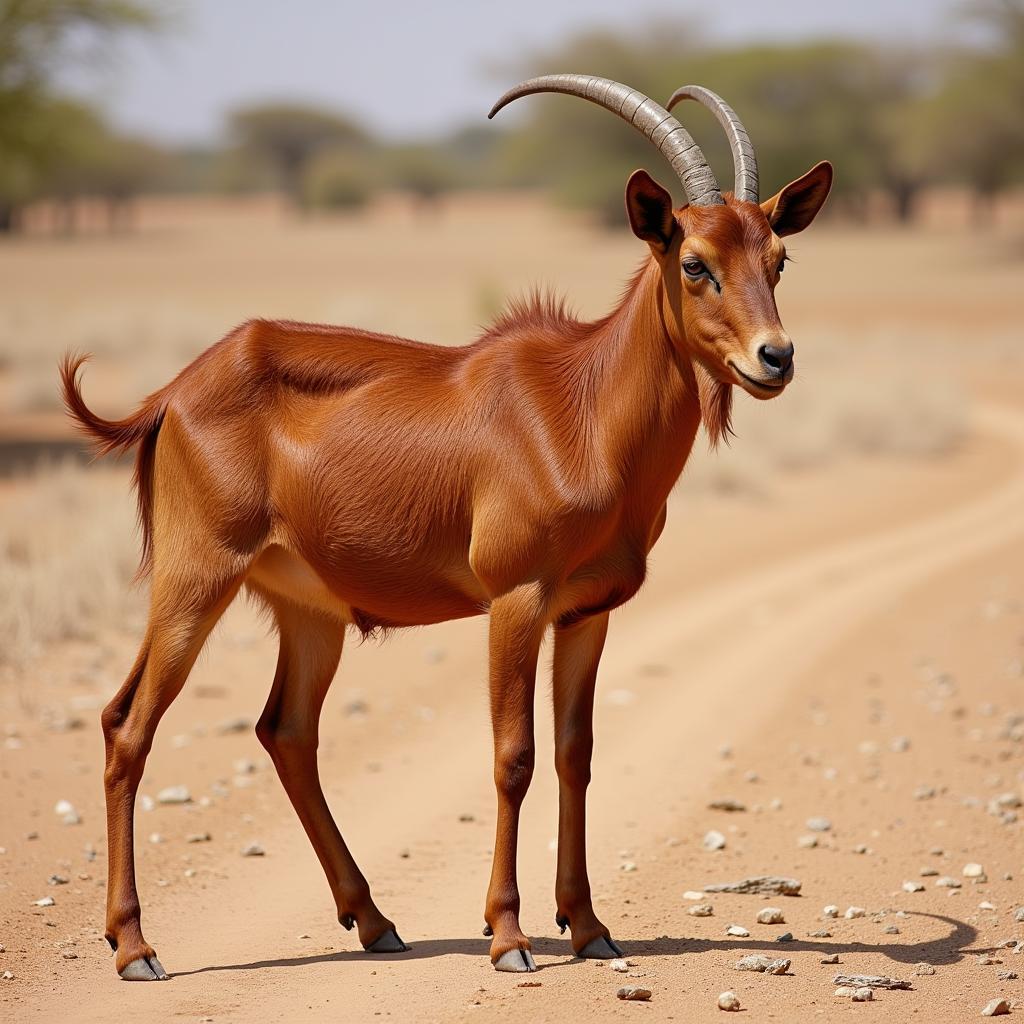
835,630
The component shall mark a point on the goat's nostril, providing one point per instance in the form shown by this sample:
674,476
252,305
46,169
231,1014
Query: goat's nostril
776,359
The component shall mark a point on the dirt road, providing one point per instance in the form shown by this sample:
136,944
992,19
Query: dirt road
851,651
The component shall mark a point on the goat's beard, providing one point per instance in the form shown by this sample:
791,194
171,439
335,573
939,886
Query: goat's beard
715,406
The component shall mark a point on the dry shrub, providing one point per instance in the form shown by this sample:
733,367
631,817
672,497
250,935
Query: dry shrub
68,551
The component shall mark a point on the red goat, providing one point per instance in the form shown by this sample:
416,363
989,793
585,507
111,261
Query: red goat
349,478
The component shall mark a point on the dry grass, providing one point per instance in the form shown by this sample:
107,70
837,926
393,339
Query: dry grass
67,556
882,330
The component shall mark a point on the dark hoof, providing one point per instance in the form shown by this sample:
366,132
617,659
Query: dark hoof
601,949
488,931
562,922
516,961
389,942
144,969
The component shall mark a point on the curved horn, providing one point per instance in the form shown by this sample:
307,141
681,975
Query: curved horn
671,138
743,159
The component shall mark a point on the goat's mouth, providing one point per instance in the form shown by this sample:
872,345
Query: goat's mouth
759,387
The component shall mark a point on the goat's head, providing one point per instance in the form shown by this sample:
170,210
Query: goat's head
720,256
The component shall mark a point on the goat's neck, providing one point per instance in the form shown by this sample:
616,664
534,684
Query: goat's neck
646,401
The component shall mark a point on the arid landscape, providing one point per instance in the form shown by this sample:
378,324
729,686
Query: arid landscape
830,642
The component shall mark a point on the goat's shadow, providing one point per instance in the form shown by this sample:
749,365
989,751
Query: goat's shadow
948,949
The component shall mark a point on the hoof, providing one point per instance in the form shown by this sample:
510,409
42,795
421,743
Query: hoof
516,961
389,942
601,949
144,969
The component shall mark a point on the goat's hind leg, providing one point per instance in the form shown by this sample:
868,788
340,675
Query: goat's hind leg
181,617
310,650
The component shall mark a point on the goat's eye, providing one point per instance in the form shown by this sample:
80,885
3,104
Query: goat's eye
694,268
782,265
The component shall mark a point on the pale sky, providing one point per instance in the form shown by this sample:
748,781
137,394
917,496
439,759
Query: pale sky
414,69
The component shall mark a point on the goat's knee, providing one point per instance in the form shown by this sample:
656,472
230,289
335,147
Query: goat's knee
513,770
572,762
286,743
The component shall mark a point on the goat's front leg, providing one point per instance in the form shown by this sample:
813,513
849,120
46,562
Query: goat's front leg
517,624
577,652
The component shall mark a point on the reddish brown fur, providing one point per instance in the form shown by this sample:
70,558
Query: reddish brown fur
350,478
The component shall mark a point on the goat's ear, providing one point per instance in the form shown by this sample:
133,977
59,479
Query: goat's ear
650,211
792,209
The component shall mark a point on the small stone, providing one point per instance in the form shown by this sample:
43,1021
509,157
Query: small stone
819,824
239,724
830,911
714,840
634,994
762,964
1018,915
784,937
700,910
65,810
1007,975
174,795
46,901
852,912
770,915
987,960
863,995
973,870
923,968
861,848
891,930
822,933
728,1001
986,905
155,837
737,931
870,981
199,837
620,966
727,804
996,1008
928,872
771,885
58,880
913,886
844,991
948,882
7,976
627,865
924,793
899,744
692,894
253,850
807,842
832,959
69,954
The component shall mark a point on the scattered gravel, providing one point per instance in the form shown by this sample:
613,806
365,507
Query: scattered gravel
46,901
770,915
253,850
913,886
174,795
634,994
819,824
948,882
807,842
700,910
1018,915
199,837
728,1001
830,911
833,959
769,885
973,871
996,1008
762,964
923,968
737,931
619,965
853,912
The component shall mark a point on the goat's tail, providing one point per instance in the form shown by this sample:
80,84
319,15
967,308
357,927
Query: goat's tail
141,428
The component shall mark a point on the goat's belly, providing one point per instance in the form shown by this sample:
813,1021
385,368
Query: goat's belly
367,600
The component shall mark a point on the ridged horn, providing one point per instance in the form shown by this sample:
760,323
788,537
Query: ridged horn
744,160
672,140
